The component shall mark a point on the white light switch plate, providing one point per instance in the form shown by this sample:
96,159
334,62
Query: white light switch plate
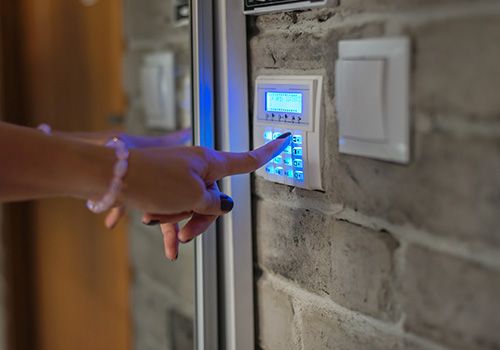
372,98
158,90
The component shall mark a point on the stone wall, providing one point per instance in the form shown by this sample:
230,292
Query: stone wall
389,256
162,291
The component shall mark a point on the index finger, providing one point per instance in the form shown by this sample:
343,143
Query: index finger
247,162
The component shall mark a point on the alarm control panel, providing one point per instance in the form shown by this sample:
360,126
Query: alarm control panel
290,104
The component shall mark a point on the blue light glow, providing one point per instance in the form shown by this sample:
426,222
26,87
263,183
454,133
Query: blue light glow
284,102
268,135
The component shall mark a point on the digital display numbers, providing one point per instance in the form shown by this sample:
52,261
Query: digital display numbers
284,102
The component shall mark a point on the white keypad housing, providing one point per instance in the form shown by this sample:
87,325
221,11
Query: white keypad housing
290,104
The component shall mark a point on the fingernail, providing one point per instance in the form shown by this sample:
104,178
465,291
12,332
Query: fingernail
284,136
152,223
186,242
226,203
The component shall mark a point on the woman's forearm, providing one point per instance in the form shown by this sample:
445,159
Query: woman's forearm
34,165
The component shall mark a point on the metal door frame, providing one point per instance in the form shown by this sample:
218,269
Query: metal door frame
206,300
224,255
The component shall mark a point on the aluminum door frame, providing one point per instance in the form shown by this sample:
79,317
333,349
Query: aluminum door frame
224,254
233,134
206,299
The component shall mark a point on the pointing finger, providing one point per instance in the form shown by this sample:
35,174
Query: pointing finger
247,162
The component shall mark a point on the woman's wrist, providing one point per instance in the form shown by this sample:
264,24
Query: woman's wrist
88,169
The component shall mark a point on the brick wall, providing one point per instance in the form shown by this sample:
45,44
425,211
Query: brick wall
389,256
162,291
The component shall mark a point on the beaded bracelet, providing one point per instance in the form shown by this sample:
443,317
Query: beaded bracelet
119,171
45,128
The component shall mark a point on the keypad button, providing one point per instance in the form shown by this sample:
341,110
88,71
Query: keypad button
298,163
297,139
270,169
288,150
268,135
289,173
299,176
278,171
297,151
278,160
288,161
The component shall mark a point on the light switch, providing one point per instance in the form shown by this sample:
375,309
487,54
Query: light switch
158,90
372,98
360,99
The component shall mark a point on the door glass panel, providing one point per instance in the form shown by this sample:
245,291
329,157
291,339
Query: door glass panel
158,85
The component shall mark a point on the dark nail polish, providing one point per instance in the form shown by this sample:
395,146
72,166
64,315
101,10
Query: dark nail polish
285,135
226,203
152,223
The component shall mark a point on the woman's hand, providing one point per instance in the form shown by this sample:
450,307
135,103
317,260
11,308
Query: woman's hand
176,138
180,182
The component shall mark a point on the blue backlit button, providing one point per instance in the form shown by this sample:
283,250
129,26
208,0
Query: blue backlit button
288,150
278,160
297,151
288,161
268,135
270,169
289,173
278,171
298,163
276,135
297,139
299,176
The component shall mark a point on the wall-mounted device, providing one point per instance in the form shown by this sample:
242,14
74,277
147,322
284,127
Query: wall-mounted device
158,90
181,12
253,7
372,97
294,104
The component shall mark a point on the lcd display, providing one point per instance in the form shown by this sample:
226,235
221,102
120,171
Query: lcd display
284,102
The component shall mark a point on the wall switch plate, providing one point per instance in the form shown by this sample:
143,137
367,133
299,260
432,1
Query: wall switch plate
291,104
158,90
372,98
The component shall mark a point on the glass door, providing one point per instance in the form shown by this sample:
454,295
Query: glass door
158,82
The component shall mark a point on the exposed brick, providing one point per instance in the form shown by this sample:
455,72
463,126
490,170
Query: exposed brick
349,6
456,66
275,317
351,265
451,187
304,47
326,330
452,301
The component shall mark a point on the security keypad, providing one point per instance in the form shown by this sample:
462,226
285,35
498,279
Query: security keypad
290,104
287,168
